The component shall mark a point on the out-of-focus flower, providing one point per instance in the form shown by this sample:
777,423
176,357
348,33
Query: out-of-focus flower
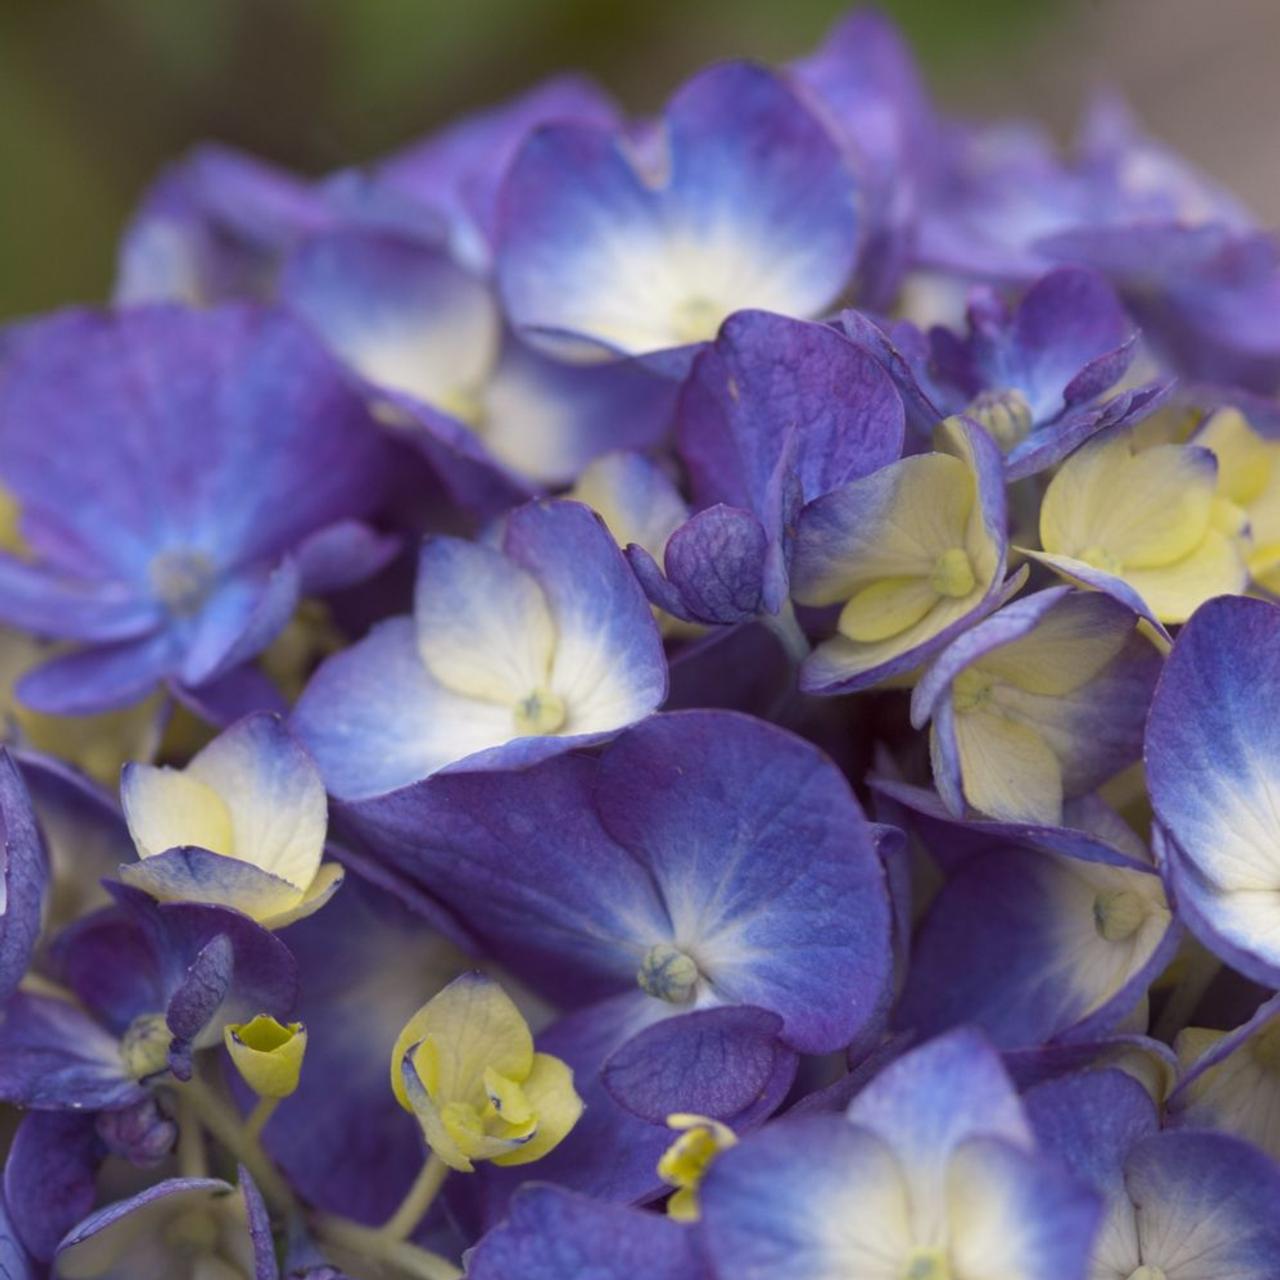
149,450
685,1163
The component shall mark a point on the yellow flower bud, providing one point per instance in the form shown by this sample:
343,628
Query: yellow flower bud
267,1054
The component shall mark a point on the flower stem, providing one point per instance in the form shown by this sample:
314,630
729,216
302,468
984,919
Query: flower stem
784,625
193,1160
258,1117
225,1124
413,1208
368,1243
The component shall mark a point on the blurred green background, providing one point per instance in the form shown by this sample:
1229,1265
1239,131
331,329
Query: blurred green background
95,95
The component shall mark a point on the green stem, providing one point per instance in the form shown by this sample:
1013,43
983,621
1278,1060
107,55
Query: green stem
784,625
367,1243
223,1121
413,1208
258,1117
192,1158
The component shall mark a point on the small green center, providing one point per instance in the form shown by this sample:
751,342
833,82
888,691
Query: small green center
145,1046
542,712
182,580
927,1264
1118,914
953,574
669,974
1006,415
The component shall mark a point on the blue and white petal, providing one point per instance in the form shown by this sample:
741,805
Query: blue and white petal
1213,767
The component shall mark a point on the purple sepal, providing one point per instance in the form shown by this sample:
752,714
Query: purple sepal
343,555
203,988
49,1177
1030,1067
1091,831
141,1134
154,1208
190,423
15,1262
775,413
715,563
712,1062
25,870
137,957
241,692
550,1234
265,1266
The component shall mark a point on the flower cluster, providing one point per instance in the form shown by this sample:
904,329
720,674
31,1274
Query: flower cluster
693,696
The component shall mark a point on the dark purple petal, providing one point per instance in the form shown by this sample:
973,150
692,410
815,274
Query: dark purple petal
716,560
25,876
551,1234
49,1177
712,1062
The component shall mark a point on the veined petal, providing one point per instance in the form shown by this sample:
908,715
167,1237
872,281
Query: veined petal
1139,509
484,628
1008,770
273,793
550,1093
1175,591
197,875
375,719
167,808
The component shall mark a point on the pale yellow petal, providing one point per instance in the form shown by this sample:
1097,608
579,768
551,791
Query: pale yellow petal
1246,462
1007,770
1069,646
474,1025
1176,591
886,608
168,809
550,1092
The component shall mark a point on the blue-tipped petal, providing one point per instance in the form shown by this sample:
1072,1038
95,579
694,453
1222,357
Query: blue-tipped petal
1032,947
662,794
609,247
1213,767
